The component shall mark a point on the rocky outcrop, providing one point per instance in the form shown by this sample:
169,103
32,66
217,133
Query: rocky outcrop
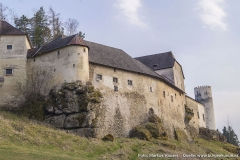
74,107
152,128
210,134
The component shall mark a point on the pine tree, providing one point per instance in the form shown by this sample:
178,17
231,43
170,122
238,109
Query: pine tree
23,24
230,135
40,32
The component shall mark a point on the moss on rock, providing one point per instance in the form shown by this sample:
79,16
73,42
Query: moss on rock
140,132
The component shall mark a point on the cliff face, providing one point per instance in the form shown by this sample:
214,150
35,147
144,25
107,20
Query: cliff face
85,111
75,107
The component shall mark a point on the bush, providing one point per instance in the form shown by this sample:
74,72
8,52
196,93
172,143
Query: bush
140,132
108,137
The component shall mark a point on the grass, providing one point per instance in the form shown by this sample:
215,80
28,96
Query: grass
21,139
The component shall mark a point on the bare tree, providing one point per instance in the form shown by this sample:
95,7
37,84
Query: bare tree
55,23
2,12
5,12
35,84
71,26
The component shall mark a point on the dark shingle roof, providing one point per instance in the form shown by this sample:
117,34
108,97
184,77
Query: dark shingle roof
117,58
8,29
57,43
158,61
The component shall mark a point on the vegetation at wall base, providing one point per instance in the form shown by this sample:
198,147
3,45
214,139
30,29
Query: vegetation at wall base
24,139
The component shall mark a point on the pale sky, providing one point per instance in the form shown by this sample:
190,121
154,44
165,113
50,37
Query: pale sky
203,35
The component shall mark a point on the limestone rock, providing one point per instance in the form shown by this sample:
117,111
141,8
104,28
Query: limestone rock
58,121
75,121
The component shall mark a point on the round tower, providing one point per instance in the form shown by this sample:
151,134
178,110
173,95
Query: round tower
203,95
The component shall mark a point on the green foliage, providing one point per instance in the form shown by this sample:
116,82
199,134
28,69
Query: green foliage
34,109
231,136
23,24
188,114
40,31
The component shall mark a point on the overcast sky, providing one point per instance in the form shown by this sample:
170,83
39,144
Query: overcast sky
203,35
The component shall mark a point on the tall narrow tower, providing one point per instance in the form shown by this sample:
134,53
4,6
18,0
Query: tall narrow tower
203,95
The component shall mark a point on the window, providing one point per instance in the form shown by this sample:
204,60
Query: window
58,54
115,88
198,115
172,98
99,77
84,50
130,82
1,79
175,95
34,59
115,80
150,89
9,46
203,117
114,70
164,94
9,71
73,65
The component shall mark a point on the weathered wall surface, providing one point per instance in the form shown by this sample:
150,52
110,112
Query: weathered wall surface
168,72
198,109
67,64
175,74
178,76
14,59
130,105
203,95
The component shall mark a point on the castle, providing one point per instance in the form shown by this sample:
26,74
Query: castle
130,86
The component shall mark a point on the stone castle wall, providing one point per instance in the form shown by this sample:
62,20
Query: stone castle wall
203,95
129,106
67,64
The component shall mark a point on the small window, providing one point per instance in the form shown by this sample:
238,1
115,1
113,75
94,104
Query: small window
99,77
9,71
164,94
115,88
34,60
84,50
73,65
203,117
115,80
58,54
175,96
114,70
198,115
172,98
130,82
150,89
1,79
54,69
9,46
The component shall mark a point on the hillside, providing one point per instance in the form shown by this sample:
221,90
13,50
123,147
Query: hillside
21,139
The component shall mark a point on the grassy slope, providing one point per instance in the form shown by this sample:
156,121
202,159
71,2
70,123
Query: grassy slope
22,139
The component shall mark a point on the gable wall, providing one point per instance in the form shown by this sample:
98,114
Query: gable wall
15,59
178,76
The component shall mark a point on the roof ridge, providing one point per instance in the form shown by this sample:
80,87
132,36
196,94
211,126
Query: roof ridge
155,54
104,45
